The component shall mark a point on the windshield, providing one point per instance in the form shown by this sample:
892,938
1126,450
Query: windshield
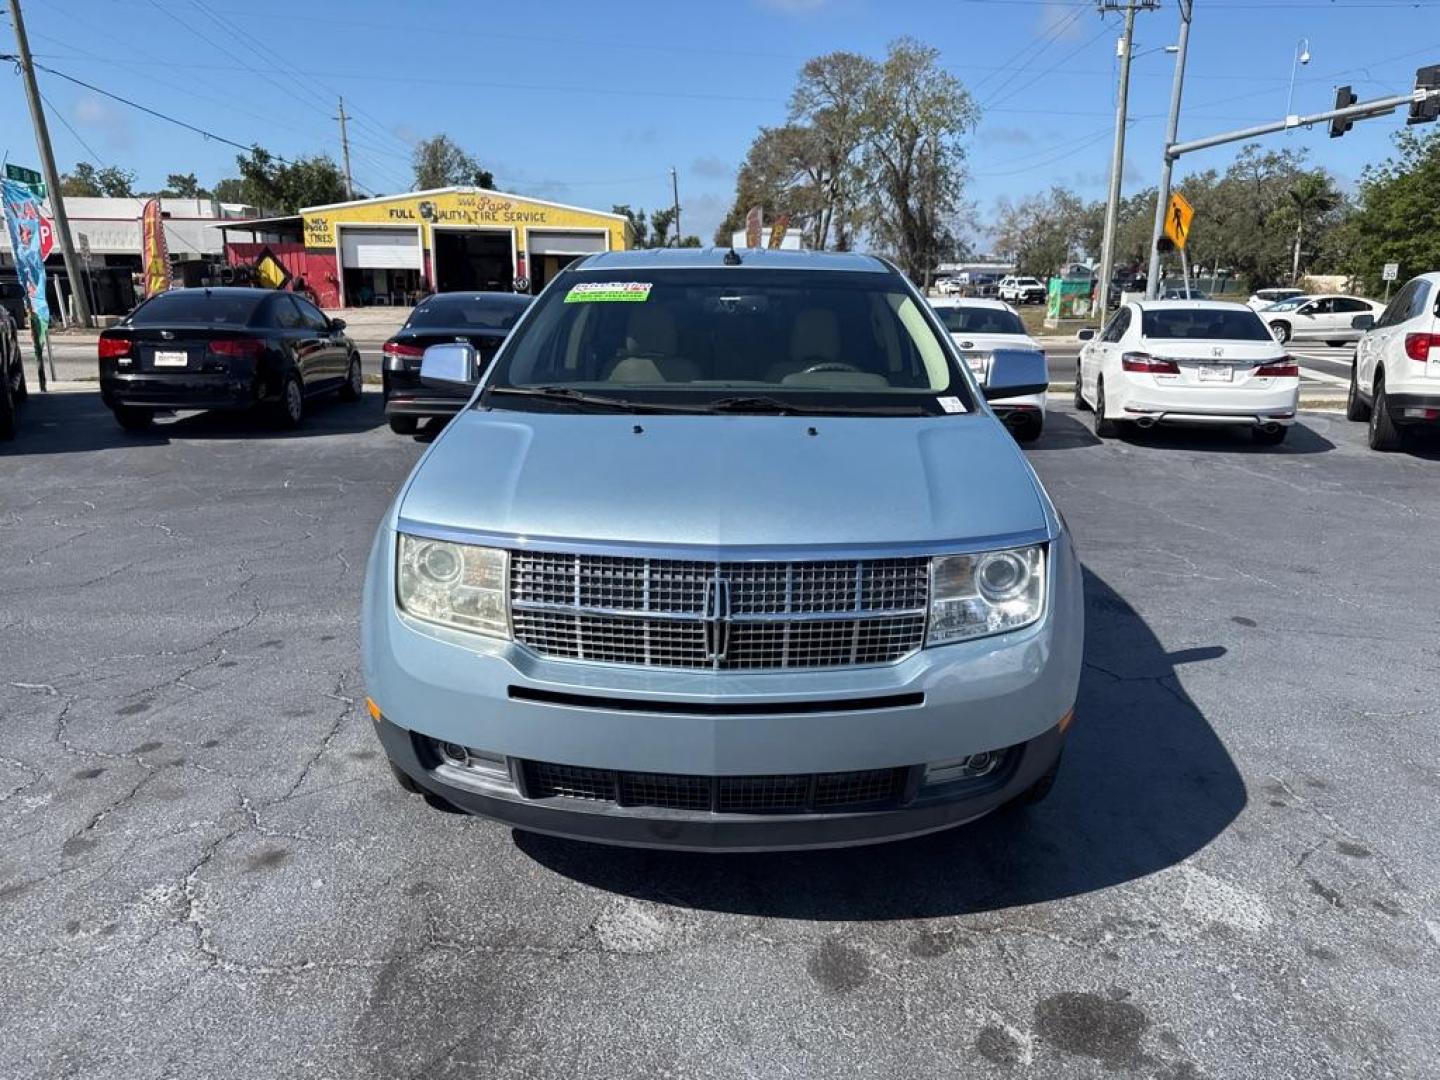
725,334
979,320
197,306
1204,324
497,312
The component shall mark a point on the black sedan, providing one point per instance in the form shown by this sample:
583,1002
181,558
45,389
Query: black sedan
12,377
481,318
225,349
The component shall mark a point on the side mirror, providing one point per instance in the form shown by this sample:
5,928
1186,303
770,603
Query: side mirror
336,325
1015,373
449,366
1363,322
1086,335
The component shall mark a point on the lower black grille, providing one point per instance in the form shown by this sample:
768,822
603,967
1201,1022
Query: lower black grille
793,793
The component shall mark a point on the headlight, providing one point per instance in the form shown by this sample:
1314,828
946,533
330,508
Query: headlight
458,585
973,596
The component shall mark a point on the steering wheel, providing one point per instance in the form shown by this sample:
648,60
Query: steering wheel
831,365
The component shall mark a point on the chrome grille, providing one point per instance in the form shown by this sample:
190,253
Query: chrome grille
678,613
793,793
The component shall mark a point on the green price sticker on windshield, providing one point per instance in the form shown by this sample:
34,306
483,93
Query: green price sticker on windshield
609,292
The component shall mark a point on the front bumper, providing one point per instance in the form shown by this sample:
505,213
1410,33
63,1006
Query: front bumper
698,830
939,704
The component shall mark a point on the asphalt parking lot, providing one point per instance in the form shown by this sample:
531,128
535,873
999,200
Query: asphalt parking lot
207,871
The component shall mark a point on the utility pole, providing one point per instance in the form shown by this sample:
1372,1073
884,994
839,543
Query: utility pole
345,152
47,167
675,191
1117,158
1172,132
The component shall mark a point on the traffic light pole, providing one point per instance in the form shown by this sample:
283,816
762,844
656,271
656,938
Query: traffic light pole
1174,150
1172,132
47,167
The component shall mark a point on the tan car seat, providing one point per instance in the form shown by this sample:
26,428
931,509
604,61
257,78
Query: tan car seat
651,341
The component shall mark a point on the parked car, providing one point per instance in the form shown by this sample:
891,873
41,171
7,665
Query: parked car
12,378
1318,318
12,300
981,327
225,348
1187,362
1022,290
950,286
1395,379
1263,298
481,318
1180,294
728,553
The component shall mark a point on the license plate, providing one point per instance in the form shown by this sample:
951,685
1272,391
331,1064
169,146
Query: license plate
1216,374
170,359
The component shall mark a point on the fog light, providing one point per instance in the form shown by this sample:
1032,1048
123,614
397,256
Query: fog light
476,763
455,754
970,767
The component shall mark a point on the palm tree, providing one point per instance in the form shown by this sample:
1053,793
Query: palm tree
1312,195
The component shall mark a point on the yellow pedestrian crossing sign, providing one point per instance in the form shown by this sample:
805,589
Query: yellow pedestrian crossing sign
1178,218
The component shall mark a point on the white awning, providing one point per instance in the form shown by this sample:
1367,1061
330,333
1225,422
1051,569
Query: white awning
380,249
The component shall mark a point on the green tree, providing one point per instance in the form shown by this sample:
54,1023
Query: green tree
639,225
779,176
827,111
184,186
917,115
654,232
1397,216
85,180
1312,197
439,162
1041,233
284,187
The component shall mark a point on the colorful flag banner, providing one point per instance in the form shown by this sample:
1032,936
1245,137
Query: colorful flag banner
778,228
154,253
24,220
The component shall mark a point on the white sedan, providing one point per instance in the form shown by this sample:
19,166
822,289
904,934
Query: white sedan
1318,318
980,327
1187,362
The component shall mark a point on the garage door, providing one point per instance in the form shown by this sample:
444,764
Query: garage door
565,243
380,249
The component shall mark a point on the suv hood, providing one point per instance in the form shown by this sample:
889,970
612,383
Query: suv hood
722,481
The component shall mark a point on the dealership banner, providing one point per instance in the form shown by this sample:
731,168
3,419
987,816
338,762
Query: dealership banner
153,252
29,233
754,221
778,229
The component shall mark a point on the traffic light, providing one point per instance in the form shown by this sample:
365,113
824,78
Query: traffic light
1344,98
1424,112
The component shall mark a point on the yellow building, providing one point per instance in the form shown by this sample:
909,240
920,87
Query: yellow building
458,238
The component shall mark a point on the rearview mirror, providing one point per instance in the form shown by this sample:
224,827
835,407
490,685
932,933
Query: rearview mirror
1363,322
337,325
449,366
1016,373
1086,335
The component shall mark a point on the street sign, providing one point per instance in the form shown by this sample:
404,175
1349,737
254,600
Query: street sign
83,239
1178,218
1391,272
47,237
22,174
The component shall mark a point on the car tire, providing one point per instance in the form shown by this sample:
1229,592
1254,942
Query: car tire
1105,428
404,425
22,392
133,419
1081,405
1269,438
9,422
1383,433
1042,787
354,385
1355,407
290,409
1028,430
1281,330
405,780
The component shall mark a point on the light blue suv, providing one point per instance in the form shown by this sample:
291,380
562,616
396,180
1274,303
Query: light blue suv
726,553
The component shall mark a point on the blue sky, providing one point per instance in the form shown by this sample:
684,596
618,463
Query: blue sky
592,103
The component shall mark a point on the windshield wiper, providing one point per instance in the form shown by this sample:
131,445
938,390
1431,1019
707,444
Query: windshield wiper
793,408
572,396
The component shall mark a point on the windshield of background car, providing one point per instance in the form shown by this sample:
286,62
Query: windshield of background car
826,338
979,320
197,306
1204,324
489,313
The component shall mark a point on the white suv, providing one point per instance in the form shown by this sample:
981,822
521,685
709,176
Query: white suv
1395,380
1022,290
